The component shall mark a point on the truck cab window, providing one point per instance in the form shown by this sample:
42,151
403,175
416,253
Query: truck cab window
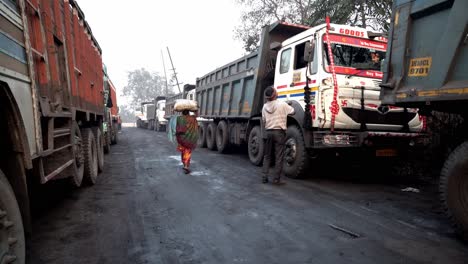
285,60
299,61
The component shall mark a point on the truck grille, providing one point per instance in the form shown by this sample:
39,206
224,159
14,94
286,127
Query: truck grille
374,117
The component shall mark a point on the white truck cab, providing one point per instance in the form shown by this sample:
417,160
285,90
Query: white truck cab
357,57
160,121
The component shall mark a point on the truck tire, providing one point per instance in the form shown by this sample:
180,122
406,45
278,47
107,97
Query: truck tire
211,136
296,161
222,137
77,169
114,137
157,127
13,243
90,156
150,125
99,147
107,141
201,142
453,187
255,146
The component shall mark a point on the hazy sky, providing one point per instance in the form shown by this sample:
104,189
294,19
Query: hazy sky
199,34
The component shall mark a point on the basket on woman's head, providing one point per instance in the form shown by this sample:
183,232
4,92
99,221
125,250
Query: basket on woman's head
185,104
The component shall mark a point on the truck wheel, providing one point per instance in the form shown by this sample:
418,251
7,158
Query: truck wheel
255,146
90,156
150,125
114,136
211,136
100,148
12,242
295,154
453,188
222,137
77,170
201,142
107,141
157,127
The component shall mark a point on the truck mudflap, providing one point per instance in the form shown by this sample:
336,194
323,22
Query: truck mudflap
350,139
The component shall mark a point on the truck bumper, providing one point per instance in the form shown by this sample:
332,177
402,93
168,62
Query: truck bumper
350,139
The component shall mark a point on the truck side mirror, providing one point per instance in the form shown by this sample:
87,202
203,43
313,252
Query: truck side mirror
309,51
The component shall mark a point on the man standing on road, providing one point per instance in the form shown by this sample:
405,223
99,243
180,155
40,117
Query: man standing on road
274,117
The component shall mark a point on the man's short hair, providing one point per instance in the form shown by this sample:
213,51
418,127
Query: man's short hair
269,93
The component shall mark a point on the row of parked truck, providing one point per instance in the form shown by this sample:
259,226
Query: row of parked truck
332,75
58,108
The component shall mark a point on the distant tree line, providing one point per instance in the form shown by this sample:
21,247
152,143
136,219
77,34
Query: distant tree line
142,86
373,14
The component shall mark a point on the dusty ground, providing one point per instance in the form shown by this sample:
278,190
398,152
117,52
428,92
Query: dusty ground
145,210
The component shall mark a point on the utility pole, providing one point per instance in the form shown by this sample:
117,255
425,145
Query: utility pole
173,69
165,74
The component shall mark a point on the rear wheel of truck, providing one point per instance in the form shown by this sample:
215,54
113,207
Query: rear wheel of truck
150,125
201,142
107,141
12,240
255,146
211,136
77,169
295,154
157,127
90,156
100,148
453,189
114,136
222,137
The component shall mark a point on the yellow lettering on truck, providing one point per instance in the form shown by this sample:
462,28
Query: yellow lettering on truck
419,67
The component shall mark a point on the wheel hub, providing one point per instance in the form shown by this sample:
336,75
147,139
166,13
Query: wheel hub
291,151
254,145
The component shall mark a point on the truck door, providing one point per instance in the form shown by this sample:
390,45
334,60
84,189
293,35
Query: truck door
290,78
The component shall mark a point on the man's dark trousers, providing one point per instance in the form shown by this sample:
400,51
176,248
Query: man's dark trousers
274,144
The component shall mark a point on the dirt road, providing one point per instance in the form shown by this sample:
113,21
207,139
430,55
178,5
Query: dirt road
144,209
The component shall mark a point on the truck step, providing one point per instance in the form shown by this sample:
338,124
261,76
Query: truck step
61,132
58,170
52,151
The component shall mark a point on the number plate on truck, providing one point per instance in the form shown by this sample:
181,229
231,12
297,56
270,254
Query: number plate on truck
386,152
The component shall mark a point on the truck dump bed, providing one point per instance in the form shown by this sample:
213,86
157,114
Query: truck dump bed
236,89
428,54
67,57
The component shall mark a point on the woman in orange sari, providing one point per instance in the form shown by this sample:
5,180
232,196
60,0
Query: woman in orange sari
187,136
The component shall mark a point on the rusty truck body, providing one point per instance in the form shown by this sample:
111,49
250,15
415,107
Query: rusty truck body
51,107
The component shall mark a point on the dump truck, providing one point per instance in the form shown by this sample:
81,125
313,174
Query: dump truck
328,75
51,108
142,114
158,122
426,68
188,92
111,124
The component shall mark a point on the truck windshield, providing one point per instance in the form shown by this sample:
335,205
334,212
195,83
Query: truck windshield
355,53
355,57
